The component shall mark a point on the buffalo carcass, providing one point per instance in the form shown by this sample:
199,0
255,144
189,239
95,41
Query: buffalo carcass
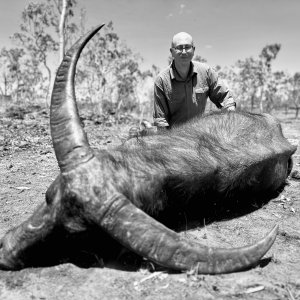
117,191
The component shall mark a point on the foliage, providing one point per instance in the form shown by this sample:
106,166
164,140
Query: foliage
21,75
200,58
253,81
37,36
293,84
108,72
10,65
36,18
63,12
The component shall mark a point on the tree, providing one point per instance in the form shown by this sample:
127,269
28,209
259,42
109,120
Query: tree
21,75
40,21
268,84
62,23
199,58
294,90
11,70
268,54
127,74
255,80
250,79
36,19
66,30
108,72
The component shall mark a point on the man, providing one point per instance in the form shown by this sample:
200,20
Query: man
181,90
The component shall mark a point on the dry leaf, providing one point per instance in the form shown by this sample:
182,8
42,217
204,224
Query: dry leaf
22,188
254,289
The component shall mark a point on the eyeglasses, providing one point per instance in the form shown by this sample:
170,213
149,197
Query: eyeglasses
180,48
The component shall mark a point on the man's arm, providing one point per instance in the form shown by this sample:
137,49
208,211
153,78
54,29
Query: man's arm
160,112
219,92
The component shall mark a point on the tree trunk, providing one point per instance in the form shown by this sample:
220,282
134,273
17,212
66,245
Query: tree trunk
49,84
5,85
118,111
62,30
261,106
252,102
18,89
297,111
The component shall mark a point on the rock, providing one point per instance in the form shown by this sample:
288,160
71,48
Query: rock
295,174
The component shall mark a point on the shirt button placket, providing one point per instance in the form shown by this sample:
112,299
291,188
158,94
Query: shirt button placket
187,96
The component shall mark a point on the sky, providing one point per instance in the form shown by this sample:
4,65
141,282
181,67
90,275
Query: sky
224,31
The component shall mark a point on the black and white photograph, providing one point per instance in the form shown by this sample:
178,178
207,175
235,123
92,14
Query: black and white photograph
149,149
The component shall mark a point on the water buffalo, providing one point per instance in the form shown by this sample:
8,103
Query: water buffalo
120,191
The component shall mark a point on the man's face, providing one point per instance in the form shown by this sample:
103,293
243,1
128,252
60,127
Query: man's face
182,48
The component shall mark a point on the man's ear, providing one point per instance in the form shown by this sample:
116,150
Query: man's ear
171,51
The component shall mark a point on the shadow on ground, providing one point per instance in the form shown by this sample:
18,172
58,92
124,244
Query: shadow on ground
95,248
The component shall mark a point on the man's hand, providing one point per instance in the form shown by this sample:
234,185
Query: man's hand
231,108
146,128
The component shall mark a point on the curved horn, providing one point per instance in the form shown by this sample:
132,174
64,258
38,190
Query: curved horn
144,235
68,137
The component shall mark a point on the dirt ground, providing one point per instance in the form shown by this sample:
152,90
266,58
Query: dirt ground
28,166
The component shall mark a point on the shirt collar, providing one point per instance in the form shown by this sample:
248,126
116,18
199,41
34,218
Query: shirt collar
175,75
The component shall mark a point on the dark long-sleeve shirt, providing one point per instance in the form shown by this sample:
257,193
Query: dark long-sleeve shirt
177,100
